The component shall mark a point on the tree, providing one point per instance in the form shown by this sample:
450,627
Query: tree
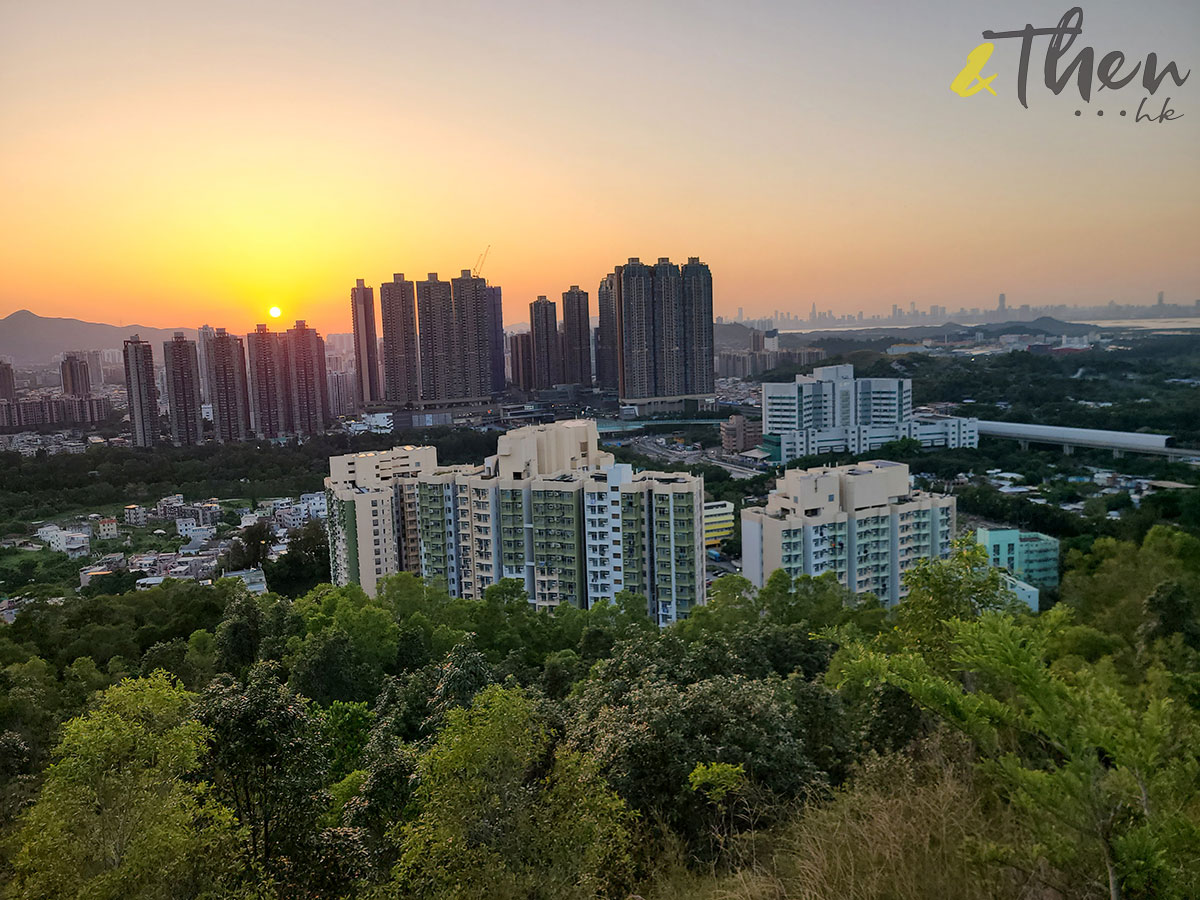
328,668
646,732
267,760
347,728
201,656
1104,779
462,674
503,815
120,814
250,549
239,634
306,563
389,763
940,590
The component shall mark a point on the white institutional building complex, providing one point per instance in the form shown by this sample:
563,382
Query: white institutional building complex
862,522
550,510
832,411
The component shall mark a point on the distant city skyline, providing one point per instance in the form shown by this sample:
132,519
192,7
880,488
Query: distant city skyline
177,165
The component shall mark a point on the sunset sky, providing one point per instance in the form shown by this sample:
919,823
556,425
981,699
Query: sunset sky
174,163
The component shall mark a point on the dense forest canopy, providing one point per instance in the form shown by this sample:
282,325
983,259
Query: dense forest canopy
193,741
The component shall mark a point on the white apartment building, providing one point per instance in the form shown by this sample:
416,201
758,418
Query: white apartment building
75,544
644,532
316,503
831,410
861,522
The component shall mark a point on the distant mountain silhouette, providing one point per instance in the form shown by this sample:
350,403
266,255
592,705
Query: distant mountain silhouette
1046,325
29,339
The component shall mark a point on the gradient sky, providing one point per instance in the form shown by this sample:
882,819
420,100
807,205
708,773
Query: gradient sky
175,163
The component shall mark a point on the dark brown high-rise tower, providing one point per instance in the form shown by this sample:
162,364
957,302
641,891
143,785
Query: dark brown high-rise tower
141,391
183,390
577,333
401,361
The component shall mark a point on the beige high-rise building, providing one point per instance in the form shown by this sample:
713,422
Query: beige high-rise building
372,514
862,522
544,449
644,533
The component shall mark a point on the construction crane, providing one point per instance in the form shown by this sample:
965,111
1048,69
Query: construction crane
480,261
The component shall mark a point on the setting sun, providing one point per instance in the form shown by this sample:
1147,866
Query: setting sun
274,312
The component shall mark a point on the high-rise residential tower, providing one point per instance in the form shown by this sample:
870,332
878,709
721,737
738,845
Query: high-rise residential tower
438,342
608,298
269,383
8,385
366,352
76,376
496,320
635,335
698,344
660,318
401,361
141,391
95,365
547,358
204,337
230,396
473,321
831,410
668,327
520,354
342,397
577,333
182,365
308,380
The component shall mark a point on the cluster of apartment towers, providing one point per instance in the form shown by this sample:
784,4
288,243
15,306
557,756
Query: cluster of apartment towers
282,391
557,514
443,345
444,342
549,509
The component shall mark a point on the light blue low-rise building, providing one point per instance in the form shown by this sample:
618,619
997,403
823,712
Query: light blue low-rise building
1029,556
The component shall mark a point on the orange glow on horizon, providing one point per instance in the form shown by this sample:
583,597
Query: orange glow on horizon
177,163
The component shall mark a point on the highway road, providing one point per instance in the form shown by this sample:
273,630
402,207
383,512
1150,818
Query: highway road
648,446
